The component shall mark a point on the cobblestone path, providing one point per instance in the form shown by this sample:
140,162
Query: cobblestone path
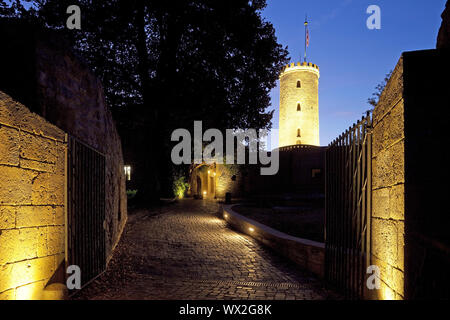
186,252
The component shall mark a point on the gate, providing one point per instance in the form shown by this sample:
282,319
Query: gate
85,210
348,209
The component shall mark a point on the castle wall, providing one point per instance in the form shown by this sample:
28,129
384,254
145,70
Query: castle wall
388,188
427,222
71,97
410,220
307,120
301,172
220,180
32,176
53,83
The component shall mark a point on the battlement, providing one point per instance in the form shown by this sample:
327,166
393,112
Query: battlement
300,66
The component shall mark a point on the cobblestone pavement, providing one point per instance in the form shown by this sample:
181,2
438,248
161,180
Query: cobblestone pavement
184,251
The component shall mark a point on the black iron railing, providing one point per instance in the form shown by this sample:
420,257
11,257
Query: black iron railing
85,210
348,208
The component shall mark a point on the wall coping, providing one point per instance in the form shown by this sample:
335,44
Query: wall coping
278,234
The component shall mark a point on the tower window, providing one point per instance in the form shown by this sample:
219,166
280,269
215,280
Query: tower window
298,133
299,84
299,107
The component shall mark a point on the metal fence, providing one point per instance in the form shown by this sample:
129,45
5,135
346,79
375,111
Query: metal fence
348,208
86,210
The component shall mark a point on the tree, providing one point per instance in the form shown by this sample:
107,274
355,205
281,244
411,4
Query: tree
373,101
173,63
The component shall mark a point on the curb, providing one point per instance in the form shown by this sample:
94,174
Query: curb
308,254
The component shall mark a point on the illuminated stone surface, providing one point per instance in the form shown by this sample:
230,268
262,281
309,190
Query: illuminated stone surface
388,188
307,118
31,201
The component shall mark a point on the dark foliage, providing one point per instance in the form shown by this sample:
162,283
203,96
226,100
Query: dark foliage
373,101
165,64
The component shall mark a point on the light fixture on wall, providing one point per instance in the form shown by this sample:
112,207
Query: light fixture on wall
251,229
127,172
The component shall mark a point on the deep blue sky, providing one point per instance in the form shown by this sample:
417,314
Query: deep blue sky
352,58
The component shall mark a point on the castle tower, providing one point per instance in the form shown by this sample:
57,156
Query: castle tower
299,105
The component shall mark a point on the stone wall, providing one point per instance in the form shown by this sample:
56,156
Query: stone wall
232,178
43,74
388,187
217,180
301,172
71,97
427,158
410,220
32,180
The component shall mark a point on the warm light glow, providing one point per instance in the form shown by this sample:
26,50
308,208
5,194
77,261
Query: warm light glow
204,193
128,172
225,215
214,174
388,294
251,229
209,171
211,221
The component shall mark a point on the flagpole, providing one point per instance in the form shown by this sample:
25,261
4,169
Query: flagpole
306,27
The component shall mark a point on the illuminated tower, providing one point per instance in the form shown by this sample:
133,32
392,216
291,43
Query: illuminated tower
299,105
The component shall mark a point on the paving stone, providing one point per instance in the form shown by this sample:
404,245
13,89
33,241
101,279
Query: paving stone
184,251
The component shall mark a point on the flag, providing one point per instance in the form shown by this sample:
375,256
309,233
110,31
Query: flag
307,37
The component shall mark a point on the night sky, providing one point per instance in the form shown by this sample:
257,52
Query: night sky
352,58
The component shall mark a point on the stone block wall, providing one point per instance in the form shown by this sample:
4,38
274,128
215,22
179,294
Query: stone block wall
70,96
32,190
388,187
410,220
39,71
231,178
427,158
220,180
